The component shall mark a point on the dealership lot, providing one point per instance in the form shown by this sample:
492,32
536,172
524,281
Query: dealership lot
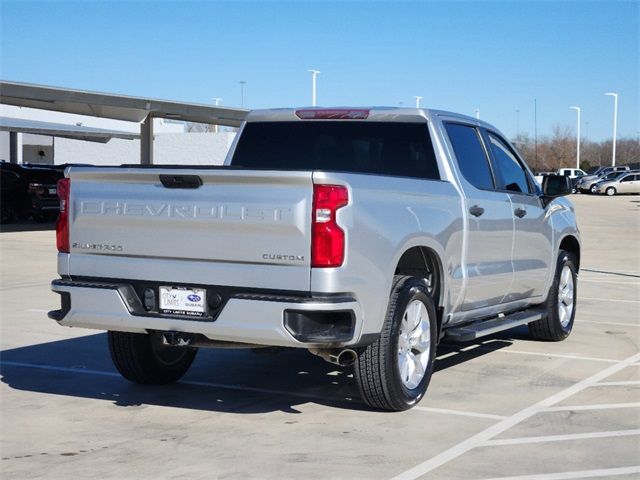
502,407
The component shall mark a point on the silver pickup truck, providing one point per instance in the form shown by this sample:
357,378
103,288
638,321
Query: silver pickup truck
363,235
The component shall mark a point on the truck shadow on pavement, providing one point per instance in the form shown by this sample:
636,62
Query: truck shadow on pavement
234,381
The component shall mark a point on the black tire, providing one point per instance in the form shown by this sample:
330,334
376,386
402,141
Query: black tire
610,191
551,328
593,189
141,358
377,369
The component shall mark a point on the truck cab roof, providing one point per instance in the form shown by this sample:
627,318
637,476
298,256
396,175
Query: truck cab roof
370,114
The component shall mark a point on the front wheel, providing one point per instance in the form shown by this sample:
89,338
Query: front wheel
560,308
393,373
142,358
594,189
610,191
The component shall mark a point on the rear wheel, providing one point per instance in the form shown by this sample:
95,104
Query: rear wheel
561,302
593,189
393,373
142,358
610,191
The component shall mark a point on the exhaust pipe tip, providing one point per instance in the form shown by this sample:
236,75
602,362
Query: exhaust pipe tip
344,358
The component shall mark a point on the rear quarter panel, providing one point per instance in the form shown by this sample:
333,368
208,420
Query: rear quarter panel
385,217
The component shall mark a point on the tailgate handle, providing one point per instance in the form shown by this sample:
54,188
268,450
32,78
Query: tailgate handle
181,181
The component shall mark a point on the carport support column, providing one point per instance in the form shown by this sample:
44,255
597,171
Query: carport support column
146,141
13,147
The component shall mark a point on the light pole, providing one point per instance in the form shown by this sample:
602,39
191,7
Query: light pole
242,83
577,109
417,101
477,110
314,74
217,101
615,125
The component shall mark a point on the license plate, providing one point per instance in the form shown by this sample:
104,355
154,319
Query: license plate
183,301
52,191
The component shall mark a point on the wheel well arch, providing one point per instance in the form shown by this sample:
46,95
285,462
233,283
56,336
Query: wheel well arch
571,245
423,262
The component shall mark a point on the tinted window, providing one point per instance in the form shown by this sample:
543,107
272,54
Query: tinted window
470,154
628,178
402,149
511,175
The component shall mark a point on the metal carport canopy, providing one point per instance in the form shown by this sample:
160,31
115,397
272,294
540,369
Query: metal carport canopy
118,107
75,132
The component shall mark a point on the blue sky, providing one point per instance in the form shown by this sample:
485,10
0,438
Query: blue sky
494,56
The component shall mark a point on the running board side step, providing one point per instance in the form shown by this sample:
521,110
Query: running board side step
481,328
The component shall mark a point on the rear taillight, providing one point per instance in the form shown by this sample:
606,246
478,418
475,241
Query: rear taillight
327,238
62,225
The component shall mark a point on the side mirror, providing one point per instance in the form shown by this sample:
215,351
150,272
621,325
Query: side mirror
556,186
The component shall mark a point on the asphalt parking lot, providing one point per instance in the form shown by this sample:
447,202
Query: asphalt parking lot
503,407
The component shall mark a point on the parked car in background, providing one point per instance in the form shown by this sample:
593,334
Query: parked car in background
14,199
29,191
601,171
623,183
588,185
540,176
571,172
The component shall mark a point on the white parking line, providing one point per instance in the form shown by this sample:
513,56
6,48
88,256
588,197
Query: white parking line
560,438
603,472
616,384
600,406
37,310
609,299
612,323
553,355
504,425
446,411
613,282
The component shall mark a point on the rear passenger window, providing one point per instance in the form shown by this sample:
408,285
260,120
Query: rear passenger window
511,175
471,157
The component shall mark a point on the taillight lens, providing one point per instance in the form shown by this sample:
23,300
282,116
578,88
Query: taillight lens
327,238
62,225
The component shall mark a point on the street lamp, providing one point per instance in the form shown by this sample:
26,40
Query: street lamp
217,101
577,109
418,101
314,74
242,83
615,125
477,110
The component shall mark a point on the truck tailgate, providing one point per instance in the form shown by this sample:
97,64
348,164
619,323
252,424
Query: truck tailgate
238,228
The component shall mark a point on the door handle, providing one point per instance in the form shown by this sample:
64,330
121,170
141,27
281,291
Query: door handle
520,212
476,211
